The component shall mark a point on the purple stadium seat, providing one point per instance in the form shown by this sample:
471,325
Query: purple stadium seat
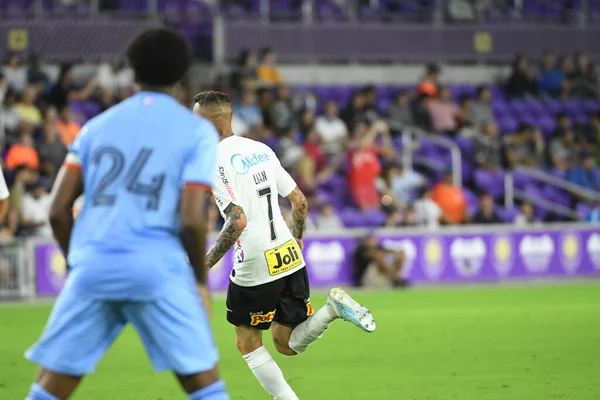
490,182
351,218
374,218
583,210
507,214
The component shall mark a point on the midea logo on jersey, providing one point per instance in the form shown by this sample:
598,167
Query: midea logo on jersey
241,164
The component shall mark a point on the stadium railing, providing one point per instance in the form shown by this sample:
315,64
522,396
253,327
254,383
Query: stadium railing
512,192
35,268
412,138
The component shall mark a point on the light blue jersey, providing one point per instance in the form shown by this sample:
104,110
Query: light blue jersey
128,263
135,158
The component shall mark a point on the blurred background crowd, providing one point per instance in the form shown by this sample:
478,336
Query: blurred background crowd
344,145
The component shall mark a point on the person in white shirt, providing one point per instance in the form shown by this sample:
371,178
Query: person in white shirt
4,194
526,215
36,210
327,220
15,73
427,212
268,282
332,129
114,77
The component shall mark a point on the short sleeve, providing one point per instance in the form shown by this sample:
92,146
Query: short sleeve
76,155
285,183
200,164
223,189
3,188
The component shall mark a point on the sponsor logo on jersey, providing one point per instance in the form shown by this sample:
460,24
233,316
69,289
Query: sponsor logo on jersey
239,252
262,318
225,181
283,258
242,164
309,308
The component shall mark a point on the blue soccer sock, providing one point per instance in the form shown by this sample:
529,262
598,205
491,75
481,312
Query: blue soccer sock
36,392
215,391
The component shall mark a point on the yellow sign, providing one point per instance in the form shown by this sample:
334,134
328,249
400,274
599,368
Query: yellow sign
283,258
18,39
483,42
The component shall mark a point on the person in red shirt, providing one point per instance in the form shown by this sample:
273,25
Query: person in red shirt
365,166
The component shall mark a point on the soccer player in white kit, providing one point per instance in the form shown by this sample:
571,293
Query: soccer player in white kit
268,283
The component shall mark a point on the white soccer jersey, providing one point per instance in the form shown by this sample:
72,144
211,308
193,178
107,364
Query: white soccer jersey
3,188
250,175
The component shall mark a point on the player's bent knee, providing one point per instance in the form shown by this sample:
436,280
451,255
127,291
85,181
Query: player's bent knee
58,385
283,348
247,339
194,382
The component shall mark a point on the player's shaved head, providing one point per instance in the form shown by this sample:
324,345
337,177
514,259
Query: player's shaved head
159,57
216,107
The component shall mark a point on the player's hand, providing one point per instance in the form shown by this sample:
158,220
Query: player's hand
300,243
205,296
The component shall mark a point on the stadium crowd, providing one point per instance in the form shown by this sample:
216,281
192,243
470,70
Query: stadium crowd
319,142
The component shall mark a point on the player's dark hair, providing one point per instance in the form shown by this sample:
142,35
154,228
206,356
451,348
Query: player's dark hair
212,98
159,57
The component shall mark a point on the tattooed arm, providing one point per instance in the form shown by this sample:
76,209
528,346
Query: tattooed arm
299,212
235,222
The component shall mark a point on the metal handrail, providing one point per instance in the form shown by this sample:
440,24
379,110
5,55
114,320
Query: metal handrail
408,134
511,192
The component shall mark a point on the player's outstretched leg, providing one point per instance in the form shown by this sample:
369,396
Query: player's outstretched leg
50,385
262,365
203,386
339,305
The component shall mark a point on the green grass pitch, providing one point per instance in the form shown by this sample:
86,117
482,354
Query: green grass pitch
465,343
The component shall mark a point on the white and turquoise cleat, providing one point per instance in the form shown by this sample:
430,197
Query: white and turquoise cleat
349,310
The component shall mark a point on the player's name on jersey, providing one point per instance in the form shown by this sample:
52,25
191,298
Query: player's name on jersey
260,177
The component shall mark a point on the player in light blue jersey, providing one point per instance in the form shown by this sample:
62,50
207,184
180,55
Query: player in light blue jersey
145,167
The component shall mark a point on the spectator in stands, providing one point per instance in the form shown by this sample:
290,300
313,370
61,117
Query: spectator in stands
370,110
23,176
64,90
115,78
35,211
265,102
377,267
282,113
427,211
521,83
26,109
481,110
9,116
586,175
268,71
563,151
15,73
365,166
429,84
66,126
51,150
221,84
306,121
526,215
328,220
400,114
245,76
294,158
312,147
354,111
486,213
585,79
332,129
248,111
421,116
36,74
526,146
23,153
563,122
551,80
594,216
463,113
487,148
403,183
443,112
451,200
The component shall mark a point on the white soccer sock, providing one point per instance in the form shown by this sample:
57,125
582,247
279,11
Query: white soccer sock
266,370
312,329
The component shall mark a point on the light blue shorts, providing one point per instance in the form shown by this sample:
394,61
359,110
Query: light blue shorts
175,331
